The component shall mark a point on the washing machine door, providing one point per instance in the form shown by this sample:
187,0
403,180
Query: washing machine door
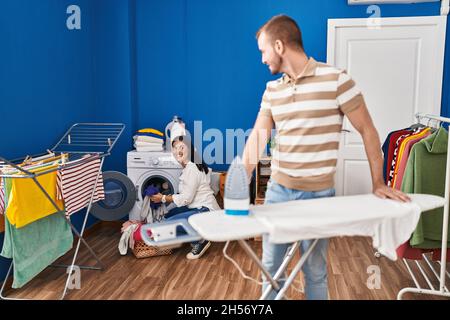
165,182
120,196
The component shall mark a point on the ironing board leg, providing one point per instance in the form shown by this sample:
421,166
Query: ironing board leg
287,259
255,258
296,270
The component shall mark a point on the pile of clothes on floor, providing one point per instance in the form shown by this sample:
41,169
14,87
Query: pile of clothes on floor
150,213
148,139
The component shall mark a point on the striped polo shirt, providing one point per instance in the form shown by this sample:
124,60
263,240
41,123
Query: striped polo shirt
308,113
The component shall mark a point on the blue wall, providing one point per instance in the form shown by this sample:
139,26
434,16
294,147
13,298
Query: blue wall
142,61
46,77
113,71
46,80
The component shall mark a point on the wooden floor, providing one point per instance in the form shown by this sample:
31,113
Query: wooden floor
212,276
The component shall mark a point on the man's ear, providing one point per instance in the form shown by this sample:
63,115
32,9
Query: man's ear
279,47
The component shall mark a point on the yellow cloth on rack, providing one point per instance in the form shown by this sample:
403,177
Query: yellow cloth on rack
27,203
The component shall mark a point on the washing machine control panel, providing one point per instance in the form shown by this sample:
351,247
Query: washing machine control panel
163,162
152,160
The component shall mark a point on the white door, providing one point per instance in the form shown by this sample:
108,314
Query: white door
399,68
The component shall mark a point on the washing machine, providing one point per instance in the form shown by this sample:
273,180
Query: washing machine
124,194
152,168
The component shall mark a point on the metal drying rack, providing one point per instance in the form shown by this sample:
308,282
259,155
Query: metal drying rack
96,139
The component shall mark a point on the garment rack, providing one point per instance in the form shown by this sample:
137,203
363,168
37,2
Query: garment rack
96,139
443,290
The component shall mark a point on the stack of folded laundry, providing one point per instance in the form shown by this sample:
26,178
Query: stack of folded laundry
148,140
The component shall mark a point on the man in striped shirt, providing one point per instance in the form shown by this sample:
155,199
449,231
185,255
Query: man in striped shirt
306,106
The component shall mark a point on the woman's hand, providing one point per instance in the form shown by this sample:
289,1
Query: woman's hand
156,198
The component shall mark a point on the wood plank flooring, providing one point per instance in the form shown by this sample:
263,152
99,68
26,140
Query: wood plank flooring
212,276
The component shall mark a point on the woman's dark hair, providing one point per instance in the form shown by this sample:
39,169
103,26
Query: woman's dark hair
201,165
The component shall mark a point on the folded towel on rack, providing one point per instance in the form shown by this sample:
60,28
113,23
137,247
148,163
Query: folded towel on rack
76,182
2,206
35,246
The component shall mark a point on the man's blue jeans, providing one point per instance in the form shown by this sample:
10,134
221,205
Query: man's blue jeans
315,267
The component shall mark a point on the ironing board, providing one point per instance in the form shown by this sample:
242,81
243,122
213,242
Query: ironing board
390,223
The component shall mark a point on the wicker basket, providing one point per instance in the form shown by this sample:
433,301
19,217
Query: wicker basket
141,250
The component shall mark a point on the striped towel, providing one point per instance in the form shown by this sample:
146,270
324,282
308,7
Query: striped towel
2,197
75,184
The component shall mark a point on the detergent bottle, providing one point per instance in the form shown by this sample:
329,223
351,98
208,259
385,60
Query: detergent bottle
174,129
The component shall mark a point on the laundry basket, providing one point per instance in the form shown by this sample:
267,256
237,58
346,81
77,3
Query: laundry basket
142,250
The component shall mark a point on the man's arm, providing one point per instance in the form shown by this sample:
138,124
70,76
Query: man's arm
361,120
256,142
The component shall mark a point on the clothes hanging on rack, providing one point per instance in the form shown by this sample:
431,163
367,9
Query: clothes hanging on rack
2,206
397,150
403,156
76,182
35,246
27,203
2,197
388,150
34,165
425,173
408,252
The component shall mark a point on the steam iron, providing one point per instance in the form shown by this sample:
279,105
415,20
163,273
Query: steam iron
237,196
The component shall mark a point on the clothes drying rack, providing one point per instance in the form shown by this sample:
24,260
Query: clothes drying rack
443,273
96,139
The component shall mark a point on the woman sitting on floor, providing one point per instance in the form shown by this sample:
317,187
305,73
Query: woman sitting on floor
195,192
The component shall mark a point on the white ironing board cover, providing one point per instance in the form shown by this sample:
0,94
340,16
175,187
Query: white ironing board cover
390,223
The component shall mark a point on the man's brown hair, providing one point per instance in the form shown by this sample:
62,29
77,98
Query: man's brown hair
284,28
